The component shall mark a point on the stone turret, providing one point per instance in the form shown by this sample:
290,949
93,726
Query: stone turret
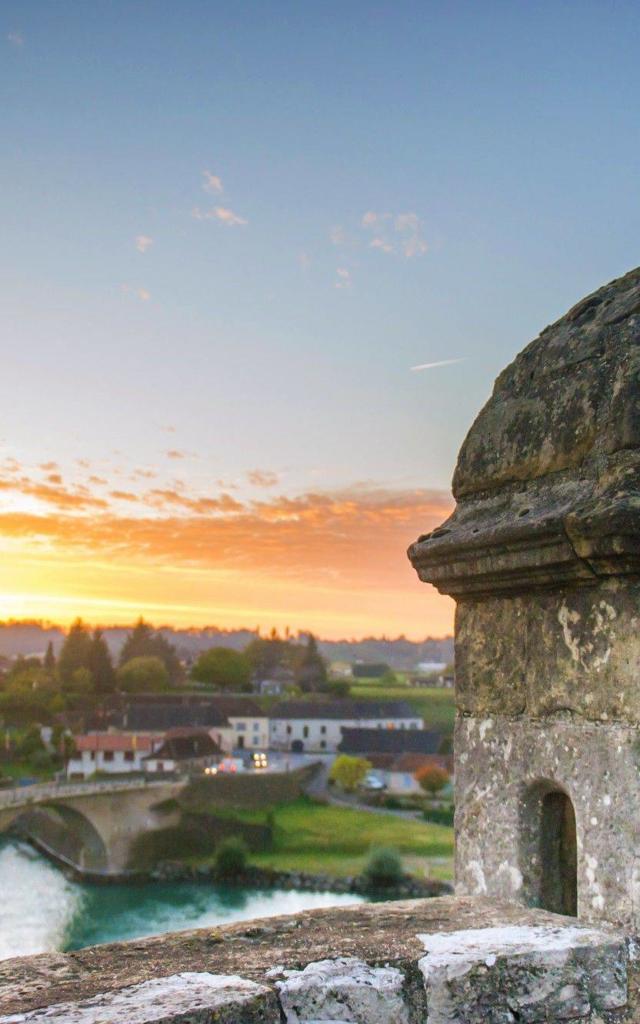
542,554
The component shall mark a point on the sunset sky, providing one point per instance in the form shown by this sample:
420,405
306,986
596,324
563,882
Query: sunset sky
229,231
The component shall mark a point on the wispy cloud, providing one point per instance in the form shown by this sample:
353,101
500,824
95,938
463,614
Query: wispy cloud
228,216
263,477
221,213
379,243
124,496
343,278
175,453
396,233
16,39
290,536
138,292
212,183
440,362
143,242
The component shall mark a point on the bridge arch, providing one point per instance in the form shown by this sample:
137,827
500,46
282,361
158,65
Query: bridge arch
65,833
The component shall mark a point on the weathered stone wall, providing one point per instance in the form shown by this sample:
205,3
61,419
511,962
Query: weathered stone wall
567,649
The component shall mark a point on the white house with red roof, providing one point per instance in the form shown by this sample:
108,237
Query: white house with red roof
114,753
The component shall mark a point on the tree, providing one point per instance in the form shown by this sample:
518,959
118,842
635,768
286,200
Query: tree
81,682
266,654
144,642
100,664
311,671
49,663
388,679
75,652
143,675
432,778
348,772
223,668
339,688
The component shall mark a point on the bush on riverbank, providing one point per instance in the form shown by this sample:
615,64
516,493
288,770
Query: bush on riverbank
230,857
383,869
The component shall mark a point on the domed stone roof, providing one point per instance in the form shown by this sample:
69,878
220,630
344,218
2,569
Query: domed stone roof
548,478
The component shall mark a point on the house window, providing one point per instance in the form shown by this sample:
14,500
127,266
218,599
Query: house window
305,731
129,755
413,725
323,730
160,766
241,726
288,730
323,744
108,755
256,726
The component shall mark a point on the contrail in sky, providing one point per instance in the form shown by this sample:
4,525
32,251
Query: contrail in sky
442,362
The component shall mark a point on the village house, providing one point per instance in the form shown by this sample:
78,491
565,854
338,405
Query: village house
234,722
114,753
316,726
183,750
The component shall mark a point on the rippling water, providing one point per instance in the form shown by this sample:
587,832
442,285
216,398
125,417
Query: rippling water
42,911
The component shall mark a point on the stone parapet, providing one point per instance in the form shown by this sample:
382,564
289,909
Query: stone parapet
439,961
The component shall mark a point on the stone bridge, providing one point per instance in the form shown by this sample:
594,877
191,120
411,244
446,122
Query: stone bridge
91,826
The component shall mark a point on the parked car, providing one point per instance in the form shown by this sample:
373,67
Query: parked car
372,783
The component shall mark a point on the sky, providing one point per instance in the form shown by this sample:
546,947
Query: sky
229,231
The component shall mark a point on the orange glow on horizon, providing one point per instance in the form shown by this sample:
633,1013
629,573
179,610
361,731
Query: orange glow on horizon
334,563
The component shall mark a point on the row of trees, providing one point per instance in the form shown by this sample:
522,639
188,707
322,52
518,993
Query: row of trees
147,661
84,673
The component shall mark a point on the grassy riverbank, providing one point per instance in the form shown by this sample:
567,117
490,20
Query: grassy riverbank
324,839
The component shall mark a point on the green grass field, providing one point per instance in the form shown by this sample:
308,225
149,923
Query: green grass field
324,839
436,705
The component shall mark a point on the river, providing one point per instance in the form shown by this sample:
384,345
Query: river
43,911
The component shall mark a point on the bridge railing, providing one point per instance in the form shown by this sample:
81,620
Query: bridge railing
44,790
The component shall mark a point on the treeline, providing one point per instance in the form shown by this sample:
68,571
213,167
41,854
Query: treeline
84,673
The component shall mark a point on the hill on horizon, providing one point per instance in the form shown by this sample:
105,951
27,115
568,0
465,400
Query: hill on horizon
32,638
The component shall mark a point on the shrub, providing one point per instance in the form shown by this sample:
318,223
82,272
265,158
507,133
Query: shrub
439,815
348,772
392,803
432,778
231,857
383,868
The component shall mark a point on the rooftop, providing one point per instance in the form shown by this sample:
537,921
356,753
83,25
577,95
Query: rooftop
390,741
185,745
116,741
347,710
